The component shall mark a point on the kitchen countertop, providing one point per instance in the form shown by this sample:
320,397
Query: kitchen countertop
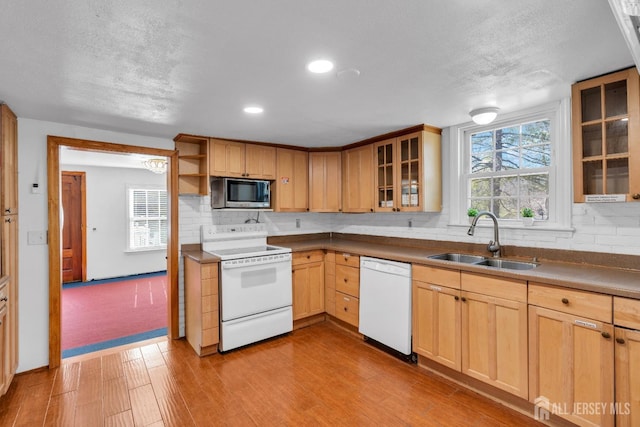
611,281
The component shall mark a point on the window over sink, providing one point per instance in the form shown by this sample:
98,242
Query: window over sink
509,169
522,160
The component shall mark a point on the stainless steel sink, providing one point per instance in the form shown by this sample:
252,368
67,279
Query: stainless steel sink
507,264
463,258
481,260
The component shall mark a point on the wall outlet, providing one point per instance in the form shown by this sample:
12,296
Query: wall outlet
297,223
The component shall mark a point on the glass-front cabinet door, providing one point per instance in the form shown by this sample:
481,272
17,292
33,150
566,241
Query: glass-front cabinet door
385,176
409,182
606,128
398,176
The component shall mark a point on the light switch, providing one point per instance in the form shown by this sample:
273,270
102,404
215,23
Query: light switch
37,237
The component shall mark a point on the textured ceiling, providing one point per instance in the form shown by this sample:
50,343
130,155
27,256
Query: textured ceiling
163,67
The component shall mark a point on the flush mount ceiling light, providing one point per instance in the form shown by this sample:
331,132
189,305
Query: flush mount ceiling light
631,7
158,166
484,116
253,109
320,66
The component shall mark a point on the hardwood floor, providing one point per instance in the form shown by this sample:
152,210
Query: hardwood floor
319,375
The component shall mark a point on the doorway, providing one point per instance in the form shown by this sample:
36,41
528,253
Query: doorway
74,218
54,176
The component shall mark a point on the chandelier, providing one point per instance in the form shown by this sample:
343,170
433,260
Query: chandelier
158,166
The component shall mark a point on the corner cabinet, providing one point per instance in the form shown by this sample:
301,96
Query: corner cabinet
408,172
325,180
193,163
606,128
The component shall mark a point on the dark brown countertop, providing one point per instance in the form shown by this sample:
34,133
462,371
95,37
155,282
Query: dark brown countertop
613,281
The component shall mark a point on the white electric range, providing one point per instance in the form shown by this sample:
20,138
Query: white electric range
255,283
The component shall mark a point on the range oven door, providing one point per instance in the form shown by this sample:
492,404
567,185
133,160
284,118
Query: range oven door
254,285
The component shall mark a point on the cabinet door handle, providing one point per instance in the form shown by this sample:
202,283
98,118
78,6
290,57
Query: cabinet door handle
308,256
464,299
606,335
620,340
345,309
345,280
636,196
565,301
4,299
8,220
8,210
456,297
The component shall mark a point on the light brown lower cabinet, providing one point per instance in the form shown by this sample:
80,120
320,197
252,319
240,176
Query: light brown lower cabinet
308,284
571,366
479,329
6,373
627,368
201,306
437,315
494,331
626,318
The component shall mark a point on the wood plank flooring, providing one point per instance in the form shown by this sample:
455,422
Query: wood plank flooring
319,375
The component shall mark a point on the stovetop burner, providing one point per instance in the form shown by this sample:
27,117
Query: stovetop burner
234,241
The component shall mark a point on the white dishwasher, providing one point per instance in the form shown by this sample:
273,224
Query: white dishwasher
385,303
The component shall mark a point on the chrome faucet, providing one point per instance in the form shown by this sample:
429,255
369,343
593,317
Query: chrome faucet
494,245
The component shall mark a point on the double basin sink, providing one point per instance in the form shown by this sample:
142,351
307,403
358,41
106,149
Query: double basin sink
486,261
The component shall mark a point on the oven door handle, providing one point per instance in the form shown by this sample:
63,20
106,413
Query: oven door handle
230,265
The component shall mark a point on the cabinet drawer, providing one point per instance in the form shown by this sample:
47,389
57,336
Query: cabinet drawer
348,280
209,271
345,258
499,287
210,336
626,312
307,257
347,308
209,303
437,276
579,303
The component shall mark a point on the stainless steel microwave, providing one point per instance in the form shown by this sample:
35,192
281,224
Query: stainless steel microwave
240,193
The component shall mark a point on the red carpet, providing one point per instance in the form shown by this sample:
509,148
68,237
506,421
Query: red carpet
101,312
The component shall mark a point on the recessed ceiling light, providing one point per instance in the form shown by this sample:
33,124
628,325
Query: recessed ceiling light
253,110
320,66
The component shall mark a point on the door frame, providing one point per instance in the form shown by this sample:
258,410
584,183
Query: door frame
83,215
55,239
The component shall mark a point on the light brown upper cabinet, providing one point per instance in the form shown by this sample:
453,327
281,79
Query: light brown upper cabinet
408,172
290,190
325,191
193,163
9,160
606,128
241,160
357,179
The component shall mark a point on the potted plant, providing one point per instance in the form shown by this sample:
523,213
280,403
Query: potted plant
527,217
472,213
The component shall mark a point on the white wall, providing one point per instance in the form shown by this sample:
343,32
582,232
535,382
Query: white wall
106,190
32,216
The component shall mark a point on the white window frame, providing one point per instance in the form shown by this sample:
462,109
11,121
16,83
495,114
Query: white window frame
128,213
560,187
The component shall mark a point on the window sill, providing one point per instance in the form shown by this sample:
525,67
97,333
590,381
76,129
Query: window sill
154,249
